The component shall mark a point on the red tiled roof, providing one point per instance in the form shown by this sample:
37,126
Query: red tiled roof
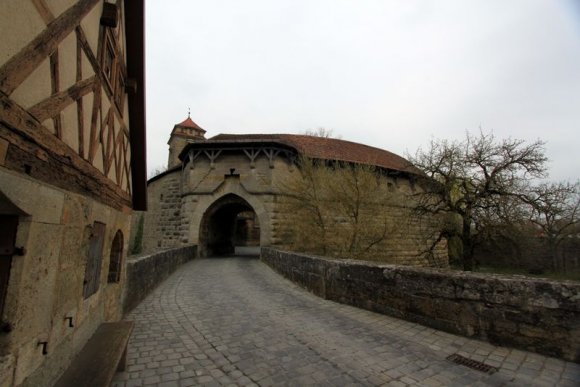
188,123
328,149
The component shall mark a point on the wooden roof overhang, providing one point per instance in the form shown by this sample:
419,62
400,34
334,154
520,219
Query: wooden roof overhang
290,150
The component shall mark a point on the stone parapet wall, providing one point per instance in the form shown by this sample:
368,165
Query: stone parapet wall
533,314
145,272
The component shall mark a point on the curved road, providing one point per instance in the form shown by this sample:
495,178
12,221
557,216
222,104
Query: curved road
233,321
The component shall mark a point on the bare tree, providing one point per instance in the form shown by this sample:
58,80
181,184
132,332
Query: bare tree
157,171
469,180
555,209
339,208
308,205
321,132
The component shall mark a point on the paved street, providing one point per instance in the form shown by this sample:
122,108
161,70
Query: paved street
233,321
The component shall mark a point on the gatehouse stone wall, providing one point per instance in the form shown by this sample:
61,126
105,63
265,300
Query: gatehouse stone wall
181,197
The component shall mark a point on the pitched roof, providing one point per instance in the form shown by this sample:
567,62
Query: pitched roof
188,123
327,149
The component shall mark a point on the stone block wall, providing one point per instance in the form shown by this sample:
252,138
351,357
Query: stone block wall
145,272
179,200
533,314
406,241
163,218
45,301
375,222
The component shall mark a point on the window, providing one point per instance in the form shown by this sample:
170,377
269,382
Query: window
116,258
113,69
109,61
120,91
94,259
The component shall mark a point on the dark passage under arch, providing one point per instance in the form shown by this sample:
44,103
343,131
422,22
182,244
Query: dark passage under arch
227,223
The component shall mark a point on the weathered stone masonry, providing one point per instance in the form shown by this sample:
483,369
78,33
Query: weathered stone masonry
165,203
72,170
194,201
533,314
147,271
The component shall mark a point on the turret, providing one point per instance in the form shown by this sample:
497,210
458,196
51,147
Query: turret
182,133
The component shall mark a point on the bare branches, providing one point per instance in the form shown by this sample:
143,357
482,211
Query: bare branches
340,208
474,178
321,132
555,207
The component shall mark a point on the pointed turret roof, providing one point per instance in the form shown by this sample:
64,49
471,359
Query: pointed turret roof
188,123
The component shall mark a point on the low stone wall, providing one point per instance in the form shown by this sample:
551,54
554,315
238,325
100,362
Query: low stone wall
533,314
145,272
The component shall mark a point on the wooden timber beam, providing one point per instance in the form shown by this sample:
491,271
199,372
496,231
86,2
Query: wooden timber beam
58,164
56,103
48,18
21,65
95,130
43,11
80,110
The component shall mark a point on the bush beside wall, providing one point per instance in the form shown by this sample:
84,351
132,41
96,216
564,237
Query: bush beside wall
533,314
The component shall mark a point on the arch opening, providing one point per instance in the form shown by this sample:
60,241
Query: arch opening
229,226
116,258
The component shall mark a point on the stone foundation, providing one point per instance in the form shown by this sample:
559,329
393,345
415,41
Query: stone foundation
532,314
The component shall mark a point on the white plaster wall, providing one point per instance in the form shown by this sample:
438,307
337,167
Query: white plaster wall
20,14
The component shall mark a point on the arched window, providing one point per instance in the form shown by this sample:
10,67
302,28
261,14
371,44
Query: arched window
116,258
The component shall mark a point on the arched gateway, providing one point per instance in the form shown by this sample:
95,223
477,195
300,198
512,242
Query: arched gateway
228,223
228,190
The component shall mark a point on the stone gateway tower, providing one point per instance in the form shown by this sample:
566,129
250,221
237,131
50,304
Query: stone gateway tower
221,191
182,133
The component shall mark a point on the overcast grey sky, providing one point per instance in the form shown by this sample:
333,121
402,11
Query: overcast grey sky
387,73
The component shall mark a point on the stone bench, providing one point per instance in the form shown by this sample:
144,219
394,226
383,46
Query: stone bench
103,355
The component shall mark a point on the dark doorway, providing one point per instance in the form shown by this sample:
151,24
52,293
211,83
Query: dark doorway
228,224
8,225
10,216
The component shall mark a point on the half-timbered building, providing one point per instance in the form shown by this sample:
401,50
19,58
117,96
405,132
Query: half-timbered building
72,170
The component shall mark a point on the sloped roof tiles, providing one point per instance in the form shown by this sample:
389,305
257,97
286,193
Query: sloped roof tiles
188,123
326,149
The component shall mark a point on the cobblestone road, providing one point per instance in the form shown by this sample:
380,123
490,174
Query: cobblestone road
233,321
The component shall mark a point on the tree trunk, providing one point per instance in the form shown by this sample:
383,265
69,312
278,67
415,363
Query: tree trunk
467,241
552,251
